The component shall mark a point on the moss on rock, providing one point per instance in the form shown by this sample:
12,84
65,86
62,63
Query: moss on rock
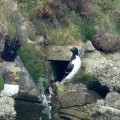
1,83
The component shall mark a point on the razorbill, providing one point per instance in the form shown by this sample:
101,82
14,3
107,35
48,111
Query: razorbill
74,65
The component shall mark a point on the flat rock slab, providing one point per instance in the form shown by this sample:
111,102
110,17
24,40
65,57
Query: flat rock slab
73,95
61,52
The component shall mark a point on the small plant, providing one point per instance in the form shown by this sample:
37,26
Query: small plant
84,78
89,32
106,5
1,83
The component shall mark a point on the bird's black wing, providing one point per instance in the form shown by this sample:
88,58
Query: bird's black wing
69,68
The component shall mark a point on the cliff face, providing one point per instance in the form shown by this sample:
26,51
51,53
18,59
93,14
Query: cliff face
46,30
89,94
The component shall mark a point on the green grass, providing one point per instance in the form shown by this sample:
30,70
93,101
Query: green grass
74,28
33,60
8,16
1,83
85,78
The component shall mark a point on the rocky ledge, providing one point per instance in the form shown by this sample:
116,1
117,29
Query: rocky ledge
7,110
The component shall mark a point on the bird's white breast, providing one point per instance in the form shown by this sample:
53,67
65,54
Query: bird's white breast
77,64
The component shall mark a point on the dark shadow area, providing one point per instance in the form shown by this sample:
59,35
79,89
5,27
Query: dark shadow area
10,49
58,68
29,111
96,86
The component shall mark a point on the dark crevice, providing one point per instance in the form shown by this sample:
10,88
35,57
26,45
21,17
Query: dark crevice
74,106
96,86
28,99
10,49
65,118
26,110
68,114
59,67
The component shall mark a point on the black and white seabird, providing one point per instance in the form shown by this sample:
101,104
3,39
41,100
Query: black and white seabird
74,65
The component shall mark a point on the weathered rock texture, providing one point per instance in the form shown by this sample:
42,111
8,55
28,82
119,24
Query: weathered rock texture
76,102
106,42
104,68
108,109
7,111
62,52
15,73
3,32
73,95
72,98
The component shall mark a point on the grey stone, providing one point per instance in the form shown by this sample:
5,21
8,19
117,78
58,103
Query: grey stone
7,111
104,67
16,73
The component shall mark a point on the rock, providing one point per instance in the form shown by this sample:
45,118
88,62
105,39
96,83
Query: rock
62,52
105,113
27,85
113,100
72,113
108,108
73,95
9,90
2,69
88,46
70,95
3,32
106,42
7,111
105,68
16,74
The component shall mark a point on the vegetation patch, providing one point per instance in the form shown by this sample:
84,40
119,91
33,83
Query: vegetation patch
1,83
33,60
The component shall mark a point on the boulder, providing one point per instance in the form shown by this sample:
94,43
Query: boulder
106,42
61,52
107,109
16,74
75,94
88,47
7,111
113,100
73,99
105,68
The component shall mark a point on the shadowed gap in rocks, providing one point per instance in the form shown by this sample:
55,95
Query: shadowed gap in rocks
29,110
58,67
96,86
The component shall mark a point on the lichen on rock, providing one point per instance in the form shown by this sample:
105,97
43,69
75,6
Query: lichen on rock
7,110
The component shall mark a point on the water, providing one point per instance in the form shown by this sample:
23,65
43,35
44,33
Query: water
29,111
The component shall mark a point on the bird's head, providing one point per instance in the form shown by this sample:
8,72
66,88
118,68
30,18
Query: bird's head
74,50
